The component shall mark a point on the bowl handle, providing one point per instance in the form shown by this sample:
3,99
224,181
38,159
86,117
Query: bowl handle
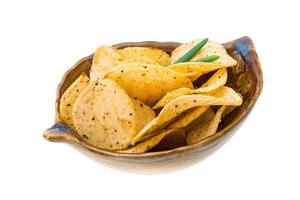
60,132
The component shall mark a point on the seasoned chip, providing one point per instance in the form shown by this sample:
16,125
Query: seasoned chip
149,143
189,116
69,97
217,80
143,60
227,93
105,59
215,48
220,96
206,126
146,82
182,49
157,55
211,48
105,116
194,70
206,117
171,96
193,76
144,114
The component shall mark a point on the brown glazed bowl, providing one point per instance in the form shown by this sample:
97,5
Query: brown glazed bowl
246,78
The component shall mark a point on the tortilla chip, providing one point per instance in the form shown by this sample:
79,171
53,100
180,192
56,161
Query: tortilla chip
69,97
225,92
158,55
182,49
193,76
105,117
146,82
143,60
215,48
220,96
172,95
144,114
149,143
210,48
207,126
105,58
194,70
217,80
188,117
206,116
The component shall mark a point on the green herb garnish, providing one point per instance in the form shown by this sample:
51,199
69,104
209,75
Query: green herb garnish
207,59
188,55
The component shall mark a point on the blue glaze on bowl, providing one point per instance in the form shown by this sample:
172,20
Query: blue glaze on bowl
59,128
243,46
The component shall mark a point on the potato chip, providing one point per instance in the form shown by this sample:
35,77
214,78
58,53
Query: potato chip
158,55
69,97
187,117
220,96
207,126
105,116
105,59
218,79
149,143
146,82
211,48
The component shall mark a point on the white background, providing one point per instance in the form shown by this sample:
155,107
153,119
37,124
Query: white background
40,40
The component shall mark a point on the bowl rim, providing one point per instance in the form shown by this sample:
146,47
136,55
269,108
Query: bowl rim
245,47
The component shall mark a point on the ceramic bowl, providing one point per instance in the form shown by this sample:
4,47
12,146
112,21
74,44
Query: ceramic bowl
246,78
